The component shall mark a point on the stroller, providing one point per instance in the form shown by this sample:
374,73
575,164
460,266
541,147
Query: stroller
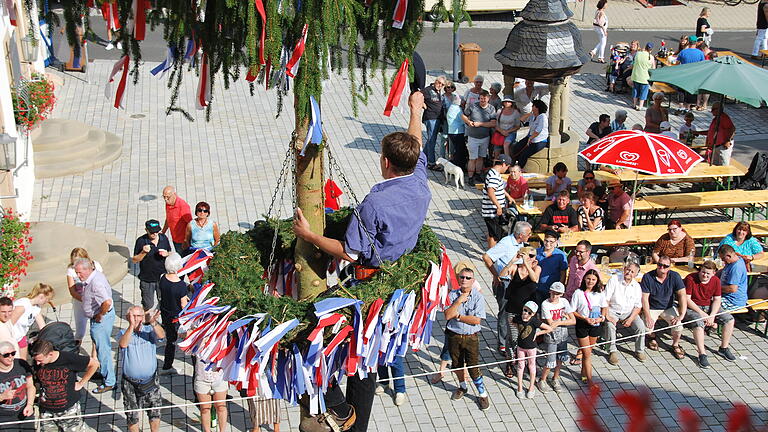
616,71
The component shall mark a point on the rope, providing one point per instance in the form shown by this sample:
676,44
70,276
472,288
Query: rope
164,407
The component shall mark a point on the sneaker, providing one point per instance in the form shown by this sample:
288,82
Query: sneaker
613,358
380,389
556,386
109,46
640,356
727,353
484,403
458,393
531,394
400,399
703,362
520,394
322,422
169,371
542,386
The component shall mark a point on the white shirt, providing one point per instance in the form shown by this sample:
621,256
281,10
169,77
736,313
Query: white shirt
26,319
522,100
622,298
539,124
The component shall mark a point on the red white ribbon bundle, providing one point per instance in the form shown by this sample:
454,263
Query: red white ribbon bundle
122,63
139,8
292,68
203,98
396,91
398,17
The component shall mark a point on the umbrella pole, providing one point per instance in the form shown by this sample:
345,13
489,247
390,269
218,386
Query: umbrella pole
634,196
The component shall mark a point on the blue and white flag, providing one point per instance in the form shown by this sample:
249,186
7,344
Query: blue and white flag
315,129
166,65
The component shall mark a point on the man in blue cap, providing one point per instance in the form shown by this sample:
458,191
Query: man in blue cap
149,253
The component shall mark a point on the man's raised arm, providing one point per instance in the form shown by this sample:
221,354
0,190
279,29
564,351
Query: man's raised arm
416,105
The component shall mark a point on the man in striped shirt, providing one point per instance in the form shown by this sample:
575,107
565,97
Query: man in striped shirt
495,199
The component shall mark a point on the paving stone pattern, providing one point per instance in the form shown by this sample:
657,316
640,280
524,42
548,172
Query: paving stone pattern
233,162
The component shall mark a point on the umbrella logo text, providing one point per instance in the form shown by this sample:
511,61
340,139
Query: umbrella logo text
629,156
664,156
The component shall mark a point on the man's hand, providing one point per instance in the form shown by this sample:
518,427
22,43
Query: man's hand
416,101
97,317
29,410
499,210
300,223
612,319
162,252
649,323
146,248
153,318
675,320
79,385
710,321
463,297
625,323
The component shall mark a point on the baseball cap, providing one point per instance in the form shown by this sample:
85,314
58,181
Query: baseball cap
557,287
649,45
665,126
692,39
504,159
530,304
152,226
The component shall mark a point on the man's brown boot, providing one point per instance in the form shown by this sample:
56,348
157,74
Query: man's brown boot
328,422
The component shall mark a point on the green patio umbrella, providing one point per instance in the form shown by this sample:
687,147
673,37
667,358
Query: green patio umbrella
728,76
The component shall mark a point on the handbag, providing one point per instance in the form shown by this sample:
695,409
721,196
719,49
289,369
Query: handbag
497,139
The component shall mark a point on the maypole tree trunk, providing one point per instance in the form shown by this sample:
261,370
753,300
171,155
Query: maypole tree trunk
310,262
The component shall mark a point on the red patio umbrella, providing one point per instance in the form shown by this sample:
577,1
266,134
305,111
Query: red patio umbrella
641,151
650,153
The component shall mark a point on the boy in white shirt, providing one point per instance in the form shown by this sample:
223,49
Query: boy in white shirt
557,312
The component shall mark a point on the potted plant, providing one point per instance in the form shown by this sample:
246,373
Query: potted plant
14,252
33,101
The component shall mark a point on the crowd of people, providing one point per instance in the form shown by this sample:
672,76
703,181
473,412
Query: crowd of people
53,365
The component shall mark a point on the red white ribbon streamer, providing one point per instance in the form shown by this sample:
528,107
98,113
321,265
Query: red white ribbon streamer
263,15
122,63
398,85
140,18
203,98
292,68
398,18
11,11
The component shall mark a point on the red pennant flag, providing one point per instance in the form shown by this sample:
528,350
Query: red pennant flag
263,15
398,18
398,85
292,68
122,63
140,18
203,98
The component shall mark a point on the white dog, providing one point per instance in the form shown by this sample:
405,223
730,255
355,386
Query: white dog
456,172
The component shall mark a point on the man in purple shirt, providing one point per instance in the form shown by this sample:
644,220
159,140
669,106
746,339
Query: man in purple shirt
390,218
579,264
97,305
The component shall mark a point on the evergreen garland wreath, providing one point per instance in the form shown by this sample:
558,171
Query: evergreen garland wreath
237,271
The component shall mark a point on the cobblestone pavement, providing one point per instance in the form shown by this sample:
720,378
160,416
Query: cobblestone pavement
232,163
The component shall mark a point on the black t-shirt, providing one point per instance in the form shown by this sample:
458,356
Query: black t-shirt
701,22
595,128
153,265
526,338
57,381
557,218
519,291
15,379
171,294
433,102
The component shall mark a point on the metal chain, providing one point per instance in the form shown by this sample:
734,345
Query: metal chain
280,182
334,165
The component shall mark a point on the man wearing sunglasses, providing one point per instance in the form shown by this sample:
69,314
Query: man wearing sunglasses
466,313
150,251
17,390
661,290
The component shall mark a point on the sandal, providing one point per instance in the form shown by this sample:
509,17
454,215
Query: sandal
576,360
652,344
678,352
509,371
102,389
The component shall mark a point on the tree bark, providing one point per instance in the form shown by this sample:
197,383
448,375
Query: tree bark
310,261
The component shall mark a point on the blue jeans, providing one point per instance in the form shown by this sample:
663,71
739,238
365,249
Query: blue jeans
433,128
101,332
398,370
523,150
